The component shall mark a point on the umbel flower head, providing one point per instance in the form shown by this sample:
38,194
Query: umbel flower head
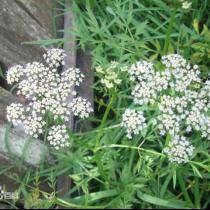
14,74
110,76
81,107
179,150
58,137
186,4
47,92
180,98
55,57
15,113
133,121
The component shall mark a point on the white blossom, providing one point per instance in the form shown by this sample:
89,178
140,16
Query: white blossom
144,93
14,74
179,150
205,91
183,100
47,93
141,71
15,113
174,61
205,127
110,75
34,125
161,80
27,88
133,121
81,107
168,123
69,78
33,70
186,4
58,137
55,57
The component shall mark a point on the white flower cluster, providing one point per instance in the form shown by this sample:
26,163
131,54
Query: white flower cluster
69,78
55,57
179,150
178,75
186,4
58,137
15,113
133,121
181,98
144,93
14,74
173,61
141,71
81,107
47,92
34,125
110,76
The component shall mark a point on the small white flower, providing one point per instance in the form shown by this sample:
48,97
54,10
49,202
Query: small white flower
27,88
144,93
58,137
161,80
186,5
133,121
33,70
179,150
59,109
46,92
168,122
141,71
14,74
81,107
69,78
34,125
174,61
55,57
15,113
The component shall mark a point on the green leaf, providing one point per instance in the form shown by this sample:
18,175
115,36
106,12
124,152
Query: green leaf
2,73
162,202
110,10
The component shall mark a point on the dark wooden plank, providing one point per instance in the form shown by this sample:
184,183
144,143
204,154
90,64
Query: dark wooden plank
84,63
17,25
64,182
38,10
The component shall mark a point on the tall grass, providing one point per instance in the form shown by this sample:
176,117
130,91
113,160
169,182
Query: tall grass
108,170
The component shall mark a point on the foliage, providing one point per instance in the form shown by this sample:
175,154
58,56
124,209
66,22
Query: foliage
108,169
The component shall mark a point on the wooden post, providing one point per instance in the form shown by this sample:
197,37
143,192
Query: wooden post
64,182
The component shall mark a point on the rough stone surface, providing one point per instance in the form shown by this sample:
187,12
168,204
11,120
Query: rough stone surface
31,150
14,144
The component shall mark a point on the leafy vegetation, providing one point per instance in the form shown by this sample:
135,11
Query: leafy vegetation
107,169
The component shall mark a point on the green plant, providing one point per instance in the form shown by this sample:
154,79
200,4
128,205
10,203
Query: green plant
108,169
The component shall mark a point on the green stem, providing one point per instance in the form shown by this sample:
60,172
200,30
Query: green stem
183,188
130,147
100,133
132,155
197,196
